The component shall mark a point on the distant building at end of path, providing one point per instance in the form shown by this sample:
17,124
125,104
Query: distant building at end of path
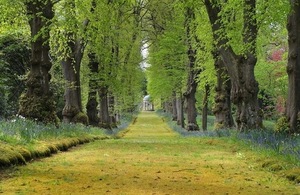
147,103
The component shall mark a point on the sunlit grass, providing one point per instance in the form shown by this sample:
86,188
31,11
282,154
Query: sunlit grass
144,162
262,140
22,140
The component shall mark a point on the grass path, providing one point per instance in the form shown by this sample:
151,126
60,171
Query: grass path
150,159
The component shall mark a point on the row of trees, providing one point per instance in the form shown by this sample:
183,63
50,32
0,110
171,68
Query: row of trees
195,47
201,45
68,37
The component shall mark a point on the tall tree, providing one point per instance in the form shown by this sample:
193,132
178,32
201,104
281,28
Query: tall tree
37,101
114,37
168,54
240,67
293,67
71,53
192,83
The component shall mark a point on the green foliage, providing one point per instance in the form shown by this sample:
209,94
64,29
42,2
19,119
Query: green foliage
13,18
282,125
168,58
118,38
14,58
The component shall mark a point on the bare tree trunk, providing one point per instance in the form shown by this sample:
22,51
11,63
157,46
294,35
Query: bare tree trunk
104,110
38,101
91,107
72,111
72,106
205,108
293,68
222,108
192,84
240,67
174,109
180,114
112,114
191,109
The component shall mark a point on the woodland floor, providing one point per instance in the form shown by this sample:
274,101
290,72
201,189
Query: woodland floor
149,159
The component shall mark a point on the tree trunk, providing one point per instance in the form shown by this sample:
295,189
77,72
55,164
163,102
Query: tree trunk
240,67
191,108
205,108
91,107
180,114
222,108
192,84
112,114
293,68
72,106
174,109
72,111
104,110
38,101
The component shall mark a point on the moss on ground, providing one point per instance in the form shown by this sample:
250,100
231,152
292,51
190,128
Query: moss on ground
18,155
152,159
293,175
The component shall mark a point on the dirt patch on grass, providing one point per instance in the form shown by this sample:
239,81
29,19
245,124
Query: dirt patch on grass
149,159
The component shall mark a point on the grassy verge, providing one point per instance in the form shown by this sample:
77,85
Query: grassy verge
23,140
281,153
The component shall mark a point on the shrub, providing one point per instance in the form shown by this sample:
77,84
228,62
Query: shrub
282,125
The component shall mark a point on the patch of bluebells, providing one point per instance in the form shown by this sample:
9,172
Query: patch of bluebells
288,145
22,130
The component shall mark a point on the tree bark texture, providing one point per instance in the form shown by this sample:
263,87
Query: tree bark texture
240,68
293,68
222,108
180,114
205,107
104,117
190,94
174,110
38,101
72,111
112,113
92,104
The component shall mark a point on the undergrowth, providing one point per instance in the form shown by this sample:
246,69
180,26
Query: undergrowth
20,131
23,140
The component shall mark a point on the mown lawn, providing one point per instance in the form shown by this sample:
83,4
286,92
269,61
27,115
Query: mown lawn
153,159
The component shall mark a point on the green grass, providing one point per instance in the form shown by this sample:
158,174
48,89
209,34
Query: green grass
152,159
22,140
284,148
21,131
